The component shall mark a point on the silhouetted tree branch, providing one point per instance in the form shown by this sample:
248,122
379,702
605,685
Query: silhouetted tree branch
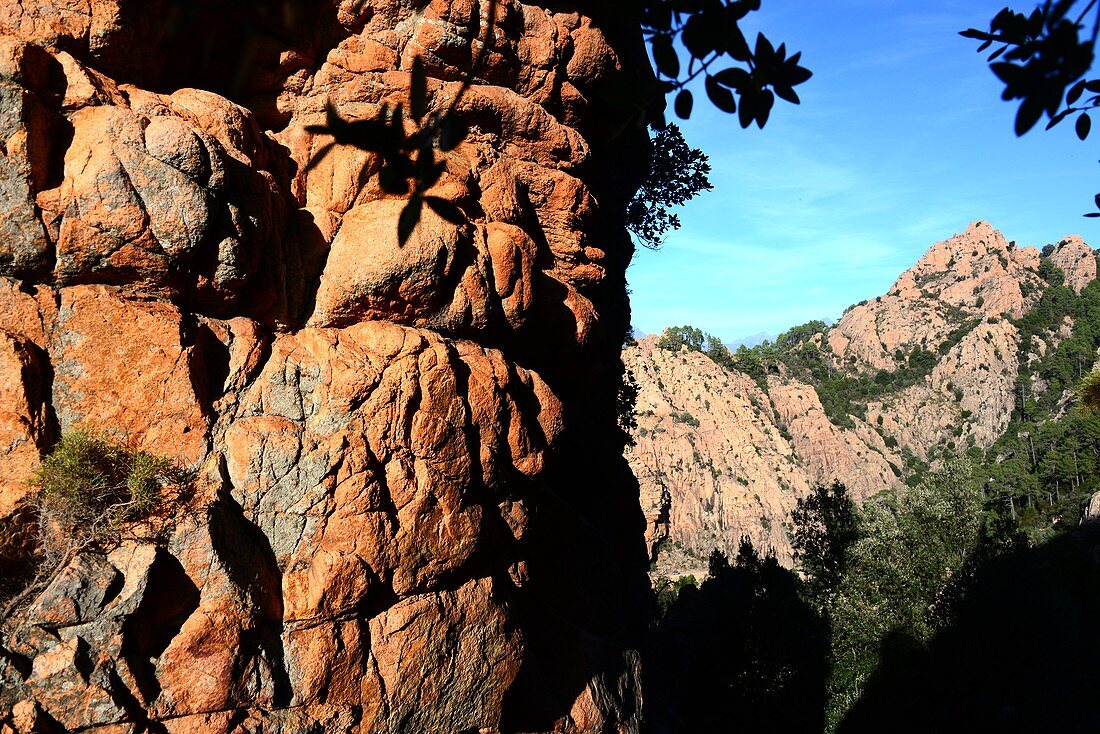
1042,59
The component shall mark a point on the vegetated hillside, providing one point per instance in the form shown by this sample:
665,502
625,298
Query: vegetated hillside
975,350
720,456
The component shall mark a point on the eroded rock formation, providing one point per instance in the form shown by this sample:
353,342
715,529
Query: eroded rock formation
972,275
406,456
956,303
719,456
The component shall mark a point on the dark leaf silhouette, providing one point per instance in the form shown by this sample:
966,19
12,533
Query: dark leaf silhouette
721,97
664,56
445,209
410,217
1075,92
1029,113
1043,59
684,103
418,90
734,77
710,32
1060,116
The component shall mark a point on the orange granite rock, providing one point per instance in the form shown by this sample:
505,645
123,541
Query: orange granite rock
24,430
405,456
122,366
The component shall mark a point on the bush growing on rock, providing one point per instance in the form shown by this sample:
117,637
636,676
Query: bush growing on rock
90,484
677,174
91,492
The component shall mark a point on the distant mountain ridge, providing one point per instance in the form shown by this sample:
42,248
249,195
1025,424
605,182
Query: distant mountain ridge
928,370
753,340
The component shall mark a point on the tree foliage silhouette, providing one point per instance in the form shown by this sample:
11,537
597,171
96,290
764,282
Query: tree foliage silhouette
710,31
826,525
1042,58
677,174
743,651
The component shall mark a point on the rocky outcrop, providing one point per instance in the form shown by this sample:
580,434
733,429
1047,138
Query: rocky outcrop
857,457
1076,260
957,303
966,401
718,458
405,456
1092,511
974,275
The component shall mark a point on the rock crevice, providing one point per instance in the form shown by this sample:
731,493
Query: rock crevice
405,456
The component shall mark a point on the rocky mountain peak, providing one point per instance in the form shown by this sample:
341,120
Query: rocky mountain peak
1076,260
977,269
928,370
974,275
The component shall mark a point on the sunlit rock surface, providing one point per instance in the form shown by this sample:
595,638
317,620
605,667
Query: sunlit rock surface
412,512
719,458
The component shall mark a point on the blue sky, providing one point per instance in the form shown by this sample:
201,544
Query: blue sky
901,140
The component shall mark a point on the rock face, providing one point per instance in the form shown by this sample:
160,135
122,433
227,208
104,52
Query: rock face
406,456
976,274
1076,261
719,456
955,303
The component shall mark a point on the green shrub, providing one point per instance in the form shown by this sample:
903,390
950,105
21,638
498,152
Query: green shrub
685,417
1088,392
90,483
688,580
676,337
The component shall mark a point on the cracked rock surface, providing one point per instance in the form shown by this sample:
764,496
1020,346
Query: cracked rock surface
411,511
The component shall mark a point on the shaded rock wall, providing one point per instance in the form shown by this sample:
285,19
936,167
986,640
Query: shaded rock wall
412,513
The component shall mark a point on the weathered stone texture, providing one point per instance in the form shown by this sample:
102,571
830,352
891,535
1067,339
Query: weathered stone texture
741,471
975,274
406,456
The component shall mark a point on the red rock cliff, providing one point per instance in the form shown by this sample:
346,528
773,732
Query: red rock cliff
413,511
